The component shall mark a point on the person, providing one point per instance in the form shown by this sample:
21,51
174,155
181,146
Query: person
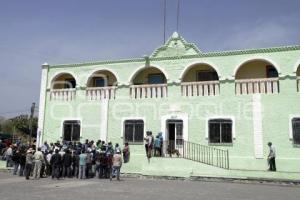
157,146
16,159
97,162
45,147
116,164
89,163
160,134
8,155
126,152
82,165
22,161
55,163
103,164
109,163
48,163
38,161
29,163
117,147
148,145
271,157
67,162
75,163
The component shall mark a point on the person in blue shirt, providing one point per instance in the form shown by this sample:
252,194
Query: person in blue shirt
82,165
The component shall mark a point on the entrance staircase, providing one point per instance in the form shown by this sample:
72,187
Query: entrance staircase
197,152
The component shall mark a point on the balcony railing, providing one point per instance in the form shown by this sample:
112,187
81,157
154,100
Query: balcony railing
205,88
252,86
148,91
63,94
99,93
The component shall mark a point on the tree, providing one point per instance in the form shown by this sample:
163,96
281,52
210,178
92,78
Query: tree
2,120
22,124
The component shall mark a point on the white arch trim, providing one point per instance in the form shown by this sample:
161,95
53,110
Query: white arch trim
61,73
99,70
191,65
256,58
135,73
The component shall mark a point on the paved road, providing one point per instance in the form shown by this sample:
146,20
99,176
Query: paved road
12,188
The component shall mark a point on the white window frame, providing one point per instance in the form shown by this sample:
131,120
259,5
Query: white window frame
232,118
291,135
70,119
132,118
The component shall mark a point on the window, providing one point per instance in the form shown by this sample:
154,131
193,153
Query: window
207,76
99,82
271,72
156,79
220,131
71,130
70,83
296,130
134,131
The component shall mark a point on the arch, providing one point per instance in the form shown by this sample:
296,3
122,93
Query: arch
143,67
249,60
113,81
195,64
56,83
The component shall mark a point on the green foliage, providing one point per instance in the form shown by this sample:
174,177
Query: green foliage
23,124
7,126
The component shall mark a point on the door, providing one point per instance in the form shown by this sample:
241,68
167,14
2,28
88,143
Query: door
174,135
71,130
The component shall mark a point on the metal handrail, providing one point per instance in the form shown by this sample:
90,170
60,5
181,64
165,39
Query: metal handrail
197,152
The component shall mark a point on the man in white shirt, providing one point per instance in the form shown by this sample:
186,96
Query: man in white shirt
8,156
271,157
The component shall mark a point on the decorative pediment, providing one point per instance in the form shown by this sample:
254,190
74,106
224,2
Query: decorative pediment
176,46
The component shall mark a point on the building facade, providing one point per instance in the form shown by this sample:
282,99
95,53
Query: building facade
236,101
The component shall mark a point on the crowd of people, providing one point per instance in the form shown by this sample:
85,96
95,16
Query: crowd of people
67,159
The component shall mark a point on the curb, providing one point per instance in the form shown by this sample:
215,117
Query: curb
245,180
242,180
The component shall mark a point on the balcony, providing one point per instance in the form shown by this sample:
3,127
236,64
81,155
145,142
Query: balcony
203,88
100,93
63,94
148,91
253,86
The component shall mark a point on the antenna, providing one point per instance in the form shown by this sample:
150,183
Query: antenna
178,14
165,17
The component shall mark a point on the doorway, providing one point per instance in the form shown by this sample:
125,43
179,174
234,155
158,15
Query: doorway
71,130
174,134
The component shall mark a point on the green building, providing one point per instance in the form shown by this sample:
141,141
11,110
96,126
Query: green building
218,110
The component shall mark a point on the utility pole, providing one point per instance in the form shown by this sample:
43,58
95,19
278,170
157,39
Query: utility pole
165,17
31,121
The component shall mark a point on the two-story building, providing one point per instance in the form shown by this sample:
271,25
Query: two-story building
218,108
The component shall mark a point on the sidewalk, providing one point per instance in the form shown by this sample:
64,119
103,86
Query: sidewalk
196,171
186,169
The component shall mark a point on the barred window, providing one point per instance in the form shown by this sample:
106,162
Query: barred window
220,131
134,131
296,130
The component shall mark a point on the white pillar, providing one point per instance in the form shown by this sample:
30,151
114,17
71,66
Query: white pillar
104,119
257,127
42,104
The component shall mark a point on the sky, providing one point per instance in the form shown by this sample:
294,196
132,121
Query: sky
33,32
